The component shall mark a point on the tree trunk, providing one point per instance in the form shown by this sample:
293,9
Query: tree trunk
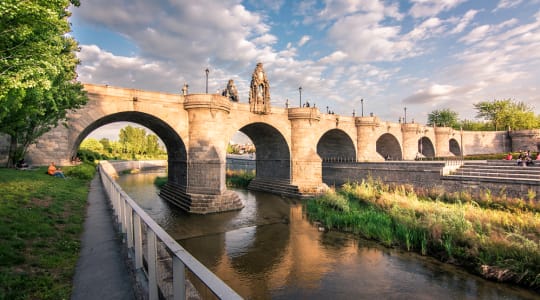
12,151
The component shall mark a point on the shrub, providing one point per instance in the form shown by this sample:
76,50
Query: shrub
83,171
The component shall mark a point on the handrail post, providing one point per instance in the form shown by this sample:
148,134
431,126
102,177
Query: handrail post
129,227
179,279
138,241
152,267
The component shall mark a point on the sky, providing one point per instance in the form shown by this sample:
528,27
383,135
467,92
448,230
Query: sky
420,55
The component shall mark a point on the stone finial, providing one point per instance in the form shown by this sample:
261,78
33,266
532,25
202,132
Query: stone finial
185,89
231,92
259,94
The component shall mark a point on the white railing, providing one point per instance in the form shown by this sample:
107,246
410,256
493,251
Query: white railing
156,253
451,166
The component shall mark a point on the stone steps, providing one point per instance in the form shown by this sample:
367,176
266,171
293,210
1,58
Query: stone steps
496,171
176,195
275,186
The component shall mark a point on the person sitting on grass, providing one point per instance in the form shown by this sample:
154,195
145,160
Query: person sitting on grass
53,171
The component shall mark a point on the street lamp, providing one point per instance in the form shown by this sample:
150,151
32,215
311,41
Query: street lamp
461,142
405,117
362,105
207,71
300,90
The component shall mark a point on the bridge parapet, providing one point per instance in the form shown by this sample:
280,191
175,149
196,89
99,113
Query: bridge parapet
306,113
366,121
207,101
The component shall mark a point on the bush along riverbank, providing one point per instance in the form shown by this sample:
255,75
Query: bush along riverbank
42,221
499,242
235,179
239,179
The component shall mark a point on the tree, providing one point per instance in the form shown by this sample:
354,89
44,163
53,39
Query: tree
106,144
133,139
507,114
37,70
152,145
443,118
93,145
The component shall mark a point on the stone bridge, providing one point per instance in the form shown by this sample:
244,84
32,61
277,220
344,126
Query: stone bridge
291,143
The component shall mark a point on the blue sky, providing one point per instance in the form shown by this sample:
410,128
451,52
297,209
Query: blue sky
419,54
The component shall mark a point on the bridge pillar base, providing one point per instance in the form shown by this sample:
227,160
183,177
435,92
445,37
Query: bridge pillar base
200,203
310,189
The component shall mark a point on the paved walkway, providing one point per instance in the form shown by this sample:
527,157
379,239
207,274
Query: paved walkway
101,271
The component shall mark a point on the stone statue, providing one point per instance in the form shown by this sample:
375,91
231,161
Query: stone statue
185,89
259,94
231,92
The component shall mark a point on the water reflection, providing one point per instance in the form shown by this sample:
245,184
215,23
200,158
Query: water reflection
269,250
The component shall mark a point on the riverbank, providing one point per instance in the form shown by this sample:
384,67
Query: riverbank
498,239
42,221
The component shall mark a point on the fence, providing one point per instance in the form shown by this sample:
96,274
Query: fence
450,166
163,261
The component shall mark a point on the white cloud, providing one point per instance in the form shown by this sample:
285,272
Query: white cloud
503,4
338,8
333,58
426,29
303,40
363,39
430,8
476,34
265,39
464,21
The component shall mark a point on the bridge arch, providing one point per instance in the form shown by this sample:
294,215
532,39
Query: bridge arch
335,143
388,147
454,147
425,147
273,157
176,149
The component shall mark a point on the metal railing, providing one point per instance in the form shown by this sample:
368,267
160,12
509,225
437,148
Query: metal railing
451,166
156,253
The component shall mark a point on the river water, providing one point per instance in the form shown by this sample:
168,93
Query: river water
269,250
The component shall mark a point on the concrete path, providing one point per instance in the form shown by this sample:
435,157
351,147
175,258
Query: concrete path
101,271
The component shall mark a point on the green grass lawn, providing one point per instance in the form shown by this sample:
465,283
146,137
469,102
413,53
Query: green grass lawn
41,221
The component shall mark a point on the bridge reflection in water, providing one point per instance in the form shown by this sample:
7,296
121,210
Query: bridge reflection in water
269,250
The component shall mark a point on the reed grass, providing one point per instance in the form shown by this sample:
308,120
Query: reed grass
500,242
239,179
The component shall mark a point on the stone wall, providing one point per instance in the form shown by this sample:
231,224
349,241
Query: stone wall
423,175
403,172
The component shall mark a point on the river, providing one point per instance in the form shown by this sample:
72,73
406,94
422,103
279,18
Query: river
269,250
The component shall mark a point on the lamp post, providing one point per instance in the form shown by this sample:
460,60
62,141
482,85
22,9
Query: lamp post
461,142
207,71
362,105
300,90
405,116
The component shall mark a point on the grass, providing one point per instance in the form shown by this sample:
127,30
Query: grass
239,179
236,179
499,242
42,220
160,181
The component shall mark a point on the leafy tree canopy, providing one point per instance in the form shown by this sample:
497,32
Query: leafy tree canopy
37,70
443,118
507,114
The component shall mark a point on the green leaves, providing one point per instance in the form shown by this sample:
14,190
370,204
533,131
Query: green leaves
443,118
507,114
37,69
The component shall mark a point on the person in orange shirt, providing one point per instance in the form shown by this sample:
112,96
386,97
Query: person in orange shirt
53,171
